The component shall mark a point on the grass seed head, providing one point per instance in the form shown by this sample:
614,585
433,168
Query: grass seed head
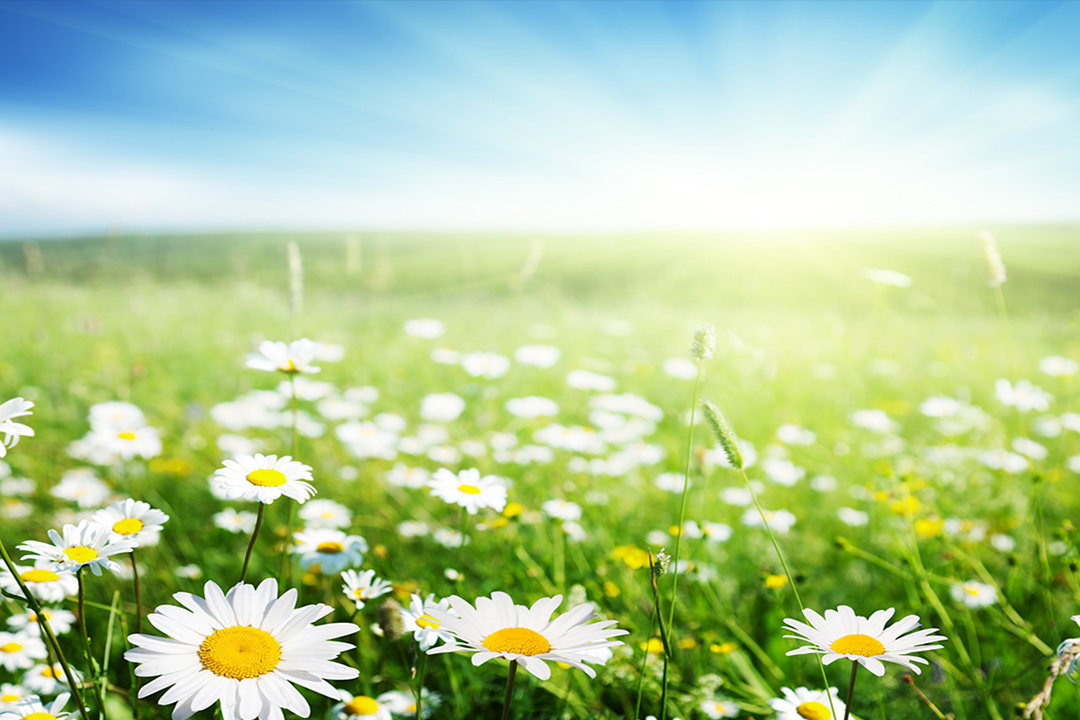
704,344
724,434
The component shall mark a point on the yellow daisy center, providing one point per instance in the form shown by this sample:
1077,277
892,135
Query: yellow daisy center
266,477
813,711
330,548
128,526
291,367
48,672
427,622
39,716
971,590
858,644
359,593
469,489
39,575
519,640
126,435
80,553
11,647
362,705
8,698
240,652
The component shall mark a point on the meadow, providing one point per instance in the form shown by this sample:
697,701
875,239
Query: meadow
878,498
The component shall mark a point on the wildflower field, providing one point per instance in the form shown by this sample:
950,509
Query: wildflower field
414,450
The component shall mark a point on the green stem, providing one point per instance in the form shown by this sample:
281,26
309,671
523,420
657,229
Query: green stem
645,660
138,593
50,636
850,690
90,666
464,537
251,544
682,508
509,689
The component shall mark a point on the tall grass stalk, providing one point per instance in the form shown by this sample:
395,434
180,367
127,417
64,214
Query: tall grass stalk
50,636
91,666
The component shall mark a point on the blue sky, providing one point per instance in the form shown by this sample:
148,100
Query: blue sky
536,115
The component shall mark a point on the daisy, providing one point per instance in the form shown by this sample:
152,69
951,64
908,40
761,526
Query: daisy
442,407
290,358
417,619
425,328
325,514
49,679
87,544
117,414
541,356
32,708
18,651
12,431
497,627
264,478
332,550
82,486
10,695
43,583
468,489
804,704
134,520
719,707
403,703
235,522
360,587
243,649
843,634
359,706
126,443
974,594
59,620
487,365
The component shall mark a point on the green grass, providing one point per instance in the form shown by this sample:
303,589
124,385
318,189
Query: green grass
164,322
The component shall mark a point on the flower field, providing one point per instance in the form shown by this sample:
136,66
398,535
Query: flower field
352,476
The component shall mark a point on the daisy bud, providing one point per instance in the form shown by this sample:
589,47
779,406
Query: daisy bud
704,343
995,268
724,434
389,614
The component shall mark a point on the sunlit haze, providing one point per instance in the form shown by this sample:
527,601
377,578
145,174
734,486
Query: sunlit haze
536,115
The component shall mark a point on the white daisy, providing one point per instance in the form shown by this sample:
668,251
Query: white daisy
43,583
363,707
82,486
719,707
974,594
10,695
497,627
18,651
360,587
77,546
542,356
843,634
243,649
132,519
59,620
426,328
416,619
117,414
804,704
235,522
325,514
33,709
468,489
291,358
332,550
442,407
403,703
125,443
487,365
12,431
264,478
49,679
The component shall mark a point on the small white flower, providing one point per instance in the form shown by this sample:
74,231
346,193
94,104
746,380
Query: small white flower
542,356
43,582
361,707
290,358
791,434
561,509
18,651
781,521
425,629
719,707
11,430
588,380
532,407
1024,396
325,514
264,478
805,704
873,420
361,587
59,620
77,546
852,517
132,519
886,277
1030,448
82,486
332,550
485,365
680,368
48,679
468,489
34,709
235,522
442,407
974,594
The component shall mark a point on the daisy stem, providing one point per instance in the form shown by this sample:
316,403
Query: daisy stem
850,689
43,620
790,577
464,537
418,690
91,667
138,593
509,689
251,544
645,660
